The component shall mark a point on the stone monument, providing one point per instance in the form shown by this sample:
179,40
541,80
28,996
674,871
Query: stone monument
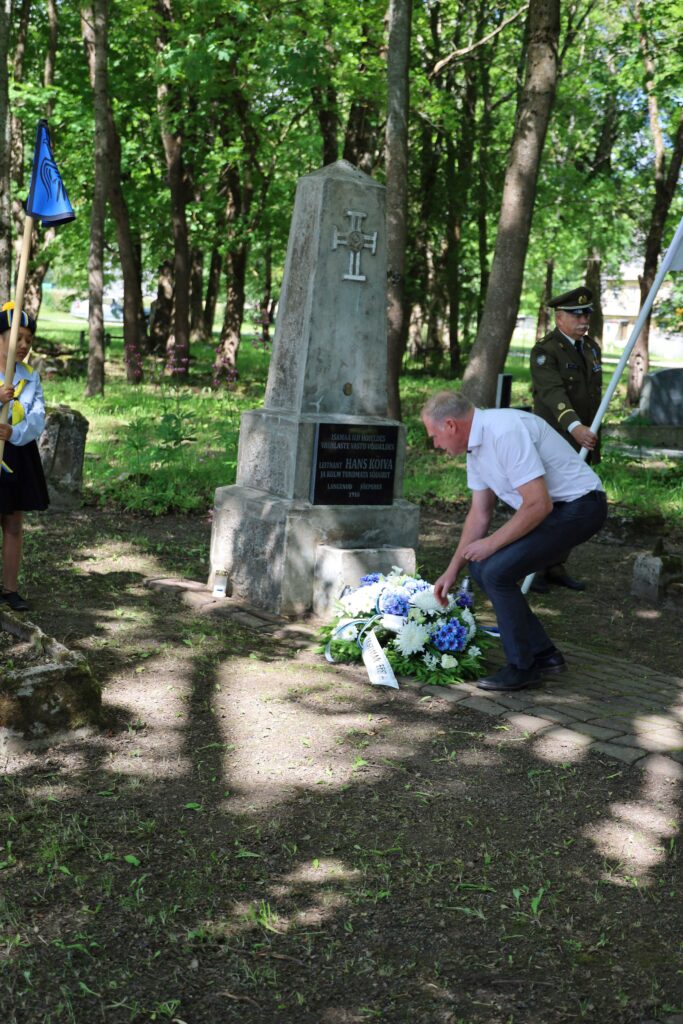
62,452
661,400
320,467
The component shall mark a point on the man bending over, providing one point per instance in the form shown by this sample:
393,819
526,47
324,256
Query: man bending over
558,502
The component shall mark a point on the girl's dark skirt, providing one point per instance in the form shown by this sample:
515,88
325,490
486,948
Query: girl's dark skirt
23,490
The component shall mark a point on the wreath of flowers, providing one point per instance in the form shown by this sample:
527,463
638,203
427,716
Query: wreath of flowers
420,637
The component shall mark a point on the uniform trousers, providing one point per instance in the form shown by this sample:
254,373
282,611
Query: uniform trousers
570,523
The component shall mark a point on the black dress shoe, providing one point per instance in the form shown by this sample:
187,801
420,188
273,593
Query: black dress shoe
511,678
550,662
563,579
15,601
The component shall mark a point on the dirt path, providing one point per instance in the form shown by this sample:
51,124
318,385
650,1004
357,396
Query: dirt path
260,837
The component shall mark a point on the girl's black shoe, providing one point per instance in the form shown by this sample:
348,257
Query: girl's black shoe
15,601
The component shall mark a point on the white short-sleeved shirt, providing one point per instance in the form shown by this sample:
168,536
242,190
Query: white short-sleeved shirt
507,448
31,399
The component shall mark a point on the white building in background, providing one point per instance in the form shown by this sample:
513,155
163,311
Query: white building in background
620,306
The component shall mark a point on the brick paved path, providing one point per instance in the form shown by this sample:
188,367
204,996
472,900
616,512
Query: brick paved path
600,705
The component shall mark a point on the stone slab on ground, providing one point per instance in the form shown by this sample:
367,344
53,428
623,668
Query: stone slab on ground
47,692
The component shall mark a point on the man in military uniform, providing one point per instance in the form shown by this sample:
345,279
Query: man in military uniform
566,374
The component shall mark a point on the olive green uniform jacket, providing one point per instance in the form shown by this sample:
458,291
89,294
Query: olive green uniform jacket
567,385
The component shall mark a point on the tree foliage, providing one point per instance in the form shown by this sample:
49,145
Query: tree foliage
219,106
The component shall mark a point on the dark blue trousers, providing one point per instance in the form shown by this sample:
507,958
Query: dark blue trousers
570,523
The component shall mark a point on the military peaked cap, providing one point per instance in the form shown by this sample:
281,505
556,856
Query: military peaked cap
579,300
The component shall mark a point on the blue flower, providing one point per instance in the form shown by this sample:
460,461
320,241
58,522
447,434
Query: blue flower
413,586
450,637
464,600
394,602
372,577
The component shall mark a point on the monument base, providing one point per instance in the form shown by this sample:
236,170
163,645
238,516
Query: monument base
337,567
267,546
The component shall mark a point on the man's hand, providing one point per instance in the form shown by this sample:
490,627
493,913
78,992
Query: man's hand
443,586
5,431
478,550
585,437
6,393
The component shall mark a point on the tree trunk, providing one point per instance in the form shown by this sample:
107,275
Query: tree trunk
458,177
161,316
419,259
639,362
212,286
543,321
5,204
482,189
134,323
96,15
360,139
225,363
265,314
178,344
398,59
665,186
490,348
51,53
134,326
594,283
197,330
326,110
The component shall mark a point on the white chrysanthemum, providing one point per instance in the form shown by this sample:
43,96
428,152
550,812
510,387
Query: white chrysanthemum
415,615
346,630
426,602
474,651
468,619
363,600
448,661
411,638
392,622
430,660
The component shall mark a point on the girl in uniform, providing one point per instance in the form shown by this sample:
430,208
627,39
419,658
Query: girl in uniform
22,481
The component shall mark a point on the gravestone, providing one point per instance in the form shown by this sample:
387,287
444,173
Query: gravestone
62,452
661,400
321,465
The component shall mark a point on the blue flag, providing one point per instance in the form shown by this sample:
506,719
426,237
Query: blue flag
47,199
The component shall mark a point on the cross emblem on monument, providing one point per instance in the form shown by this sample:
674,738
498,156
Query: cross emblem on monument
356,241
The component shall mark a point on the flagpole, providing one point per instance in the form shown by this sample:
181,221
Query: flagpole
669,258
16,318
637,327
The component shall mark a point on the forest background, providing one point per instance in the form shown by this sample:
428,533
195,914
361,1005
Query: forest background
526,147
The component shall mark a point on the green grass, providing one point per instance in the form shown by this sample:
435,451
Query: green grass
161,446
165,447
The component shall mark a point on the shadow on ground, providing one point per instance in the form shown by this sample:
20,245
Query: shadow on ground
267,838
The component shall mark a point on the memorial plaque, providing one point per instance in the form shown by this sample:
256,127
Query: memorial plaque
354,464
